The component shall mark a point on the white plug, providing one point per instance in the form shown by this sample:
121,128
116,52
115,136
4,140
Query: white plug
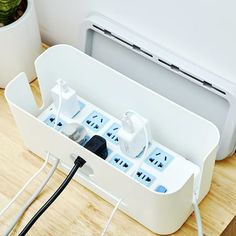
70,105
134,134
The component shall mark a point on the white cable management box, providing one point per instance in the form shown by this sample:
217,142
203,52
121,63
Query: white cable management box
178,129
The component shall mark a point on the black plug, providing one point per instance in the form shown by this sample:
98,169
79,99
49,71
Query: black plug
97,145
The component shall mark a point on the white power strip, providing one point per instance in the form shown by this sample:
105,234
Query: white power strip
163,170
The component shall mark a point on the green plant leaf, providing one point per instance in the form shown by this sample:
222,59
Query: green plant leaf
7,10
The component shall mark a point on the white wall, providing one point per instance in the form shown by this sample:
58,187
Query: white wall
203,31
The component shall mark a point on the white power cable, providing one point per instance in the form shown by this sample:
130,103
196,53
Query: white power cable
44,164
25,186
197,215
132,175
31,199
110,218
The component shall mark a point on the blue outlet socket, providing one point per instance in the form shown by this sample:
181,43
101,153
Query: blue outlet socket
95,121
121,163
144,177
159,159
111,134
50,121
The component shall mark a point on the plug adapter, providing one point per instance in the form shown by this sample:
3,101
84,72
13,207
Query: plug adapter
97,145
70,104
134,134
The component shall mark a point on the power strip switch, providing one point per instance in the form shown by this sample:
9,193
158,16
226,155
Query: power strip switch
70,104
134,134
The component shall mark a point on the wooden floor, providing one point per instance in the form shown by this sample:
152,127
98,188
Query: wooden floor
80,212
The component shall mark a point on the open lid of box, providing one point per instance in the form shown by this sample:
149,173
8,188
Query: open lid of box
153,66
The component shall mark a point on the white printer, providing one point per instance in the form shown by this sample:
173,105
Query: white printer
126,37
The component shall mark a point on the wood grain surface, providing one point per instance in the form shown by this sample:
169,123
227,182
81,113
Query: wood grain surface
78,211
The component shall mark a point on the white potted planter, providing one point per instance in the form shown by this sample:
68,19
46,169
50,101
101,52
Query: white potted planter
20,44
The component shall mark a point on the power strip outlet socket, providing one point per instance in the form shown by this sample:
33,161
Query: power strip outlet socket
95,121
50,121
159,159
144,177
111,133
121,163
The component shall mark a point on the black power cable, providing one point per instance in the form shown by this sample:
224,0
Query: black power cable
79,162
97,145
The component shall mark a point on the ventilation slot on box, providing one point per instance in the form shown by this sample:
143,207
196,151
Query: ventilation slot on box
133,46
205,83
